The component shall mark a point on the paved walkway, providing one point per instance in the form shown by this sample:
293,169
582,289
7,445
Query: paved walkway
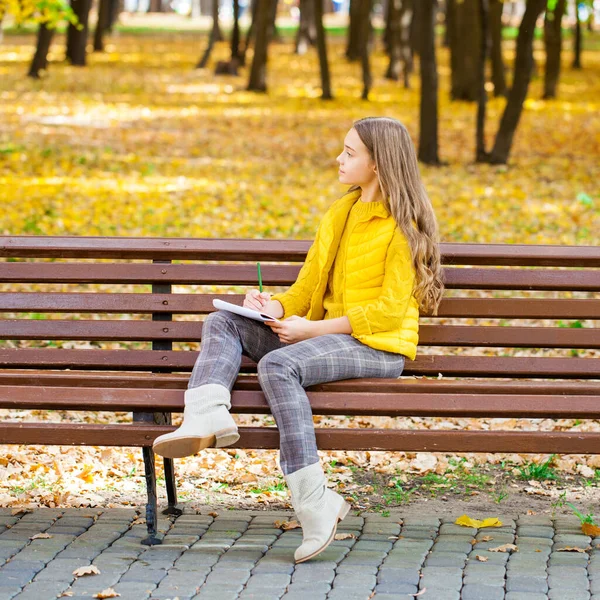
241,554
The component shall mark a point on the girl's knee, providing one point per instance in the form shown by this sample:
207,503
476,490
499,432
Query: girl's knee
271,363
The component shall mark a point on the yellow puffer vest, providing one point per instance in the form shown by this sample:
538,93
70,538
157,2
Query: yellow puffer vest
377,293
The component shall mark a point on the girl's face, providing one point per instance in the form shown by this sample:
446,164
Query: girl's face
356,166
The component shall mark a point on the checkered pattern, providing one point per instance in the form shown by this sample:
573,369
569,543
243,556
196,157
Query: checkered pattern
284,370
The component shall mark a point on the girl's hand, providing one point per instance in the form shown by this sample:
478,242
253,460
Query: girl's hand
256,300
294,329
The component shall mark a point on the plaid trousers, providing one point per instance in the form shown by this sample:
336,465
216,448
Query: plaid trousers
284,370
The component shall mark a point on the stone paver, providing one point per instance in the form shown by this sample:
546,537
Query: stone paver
241,555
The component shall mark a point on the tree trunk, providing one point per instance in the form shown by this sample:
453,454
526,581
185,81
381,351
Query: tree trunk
77,38
307,32
553,43
354,29
428,131
115,9
480,153
406,19
155,6
101,25
258,72
251,30
495,28
216,32
518,91
577,40
322,49
273,31
388,33
416,27
393,39
465,43
235,33
365,31
212,38
40,58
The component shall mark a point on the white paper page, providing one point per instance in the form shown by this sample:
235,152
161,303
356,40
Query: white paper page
241,310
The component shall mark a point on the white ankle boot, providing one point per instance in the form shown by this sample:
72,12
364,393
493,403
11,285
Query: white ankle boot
206,423
318,509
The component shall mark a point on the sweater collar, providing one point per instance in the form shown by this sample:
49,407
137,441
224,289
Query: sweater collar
369,209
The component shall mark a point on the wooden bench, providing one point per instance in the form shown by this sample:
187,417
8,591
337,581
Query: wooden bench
493,293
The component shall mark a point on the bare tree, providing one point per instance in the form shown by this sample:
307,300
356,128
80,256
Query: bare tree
553,43
495,29
215,36
428,130
307,28
518,92
365,31
77,35
480,153
577,37
258,72
322,49
40,58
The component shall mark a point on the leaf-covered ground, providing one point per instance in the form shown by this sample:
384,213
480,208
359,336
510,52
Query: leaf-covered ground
140,143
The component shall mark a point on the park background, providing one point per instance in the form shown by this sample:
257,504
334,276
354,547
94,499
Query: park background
139,141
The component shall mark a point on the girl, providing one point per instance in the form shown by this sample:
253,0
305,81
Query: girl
352,313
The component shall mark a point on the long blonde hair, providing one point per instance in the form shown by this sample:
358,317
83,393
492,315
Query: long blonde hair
391,148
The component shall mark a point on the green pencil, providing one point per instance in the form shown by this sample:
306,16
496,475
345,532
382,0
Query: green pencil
259,278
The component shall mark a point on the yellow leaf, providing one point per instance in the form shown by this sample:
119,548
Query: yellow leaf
469,522
86,474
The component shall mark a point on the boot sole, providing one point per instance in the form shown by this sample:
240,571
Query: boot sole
341,515
187,446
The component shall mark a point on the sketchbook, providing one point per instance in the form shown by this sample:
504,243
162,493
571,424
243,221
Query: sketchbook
242,310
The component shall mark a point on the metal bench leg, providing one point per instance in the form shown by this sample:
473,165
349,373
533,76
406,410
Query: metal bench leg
172,508
154,537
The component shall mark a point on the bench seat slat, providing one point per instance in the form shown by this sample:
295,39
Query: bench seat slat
278,275
430,365
185,331
85,434
516,308
399,403
374,385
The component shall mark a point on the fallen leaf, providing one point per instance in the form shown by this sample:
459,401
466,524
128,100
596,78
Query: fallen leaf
40,536
286,525
107,593
213,514
481,558
469,522
504,548
87,570
573,549
345,536
590,529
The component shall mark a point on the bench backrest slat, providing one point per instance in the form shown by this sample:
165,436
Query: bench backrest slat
516,308
280,275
